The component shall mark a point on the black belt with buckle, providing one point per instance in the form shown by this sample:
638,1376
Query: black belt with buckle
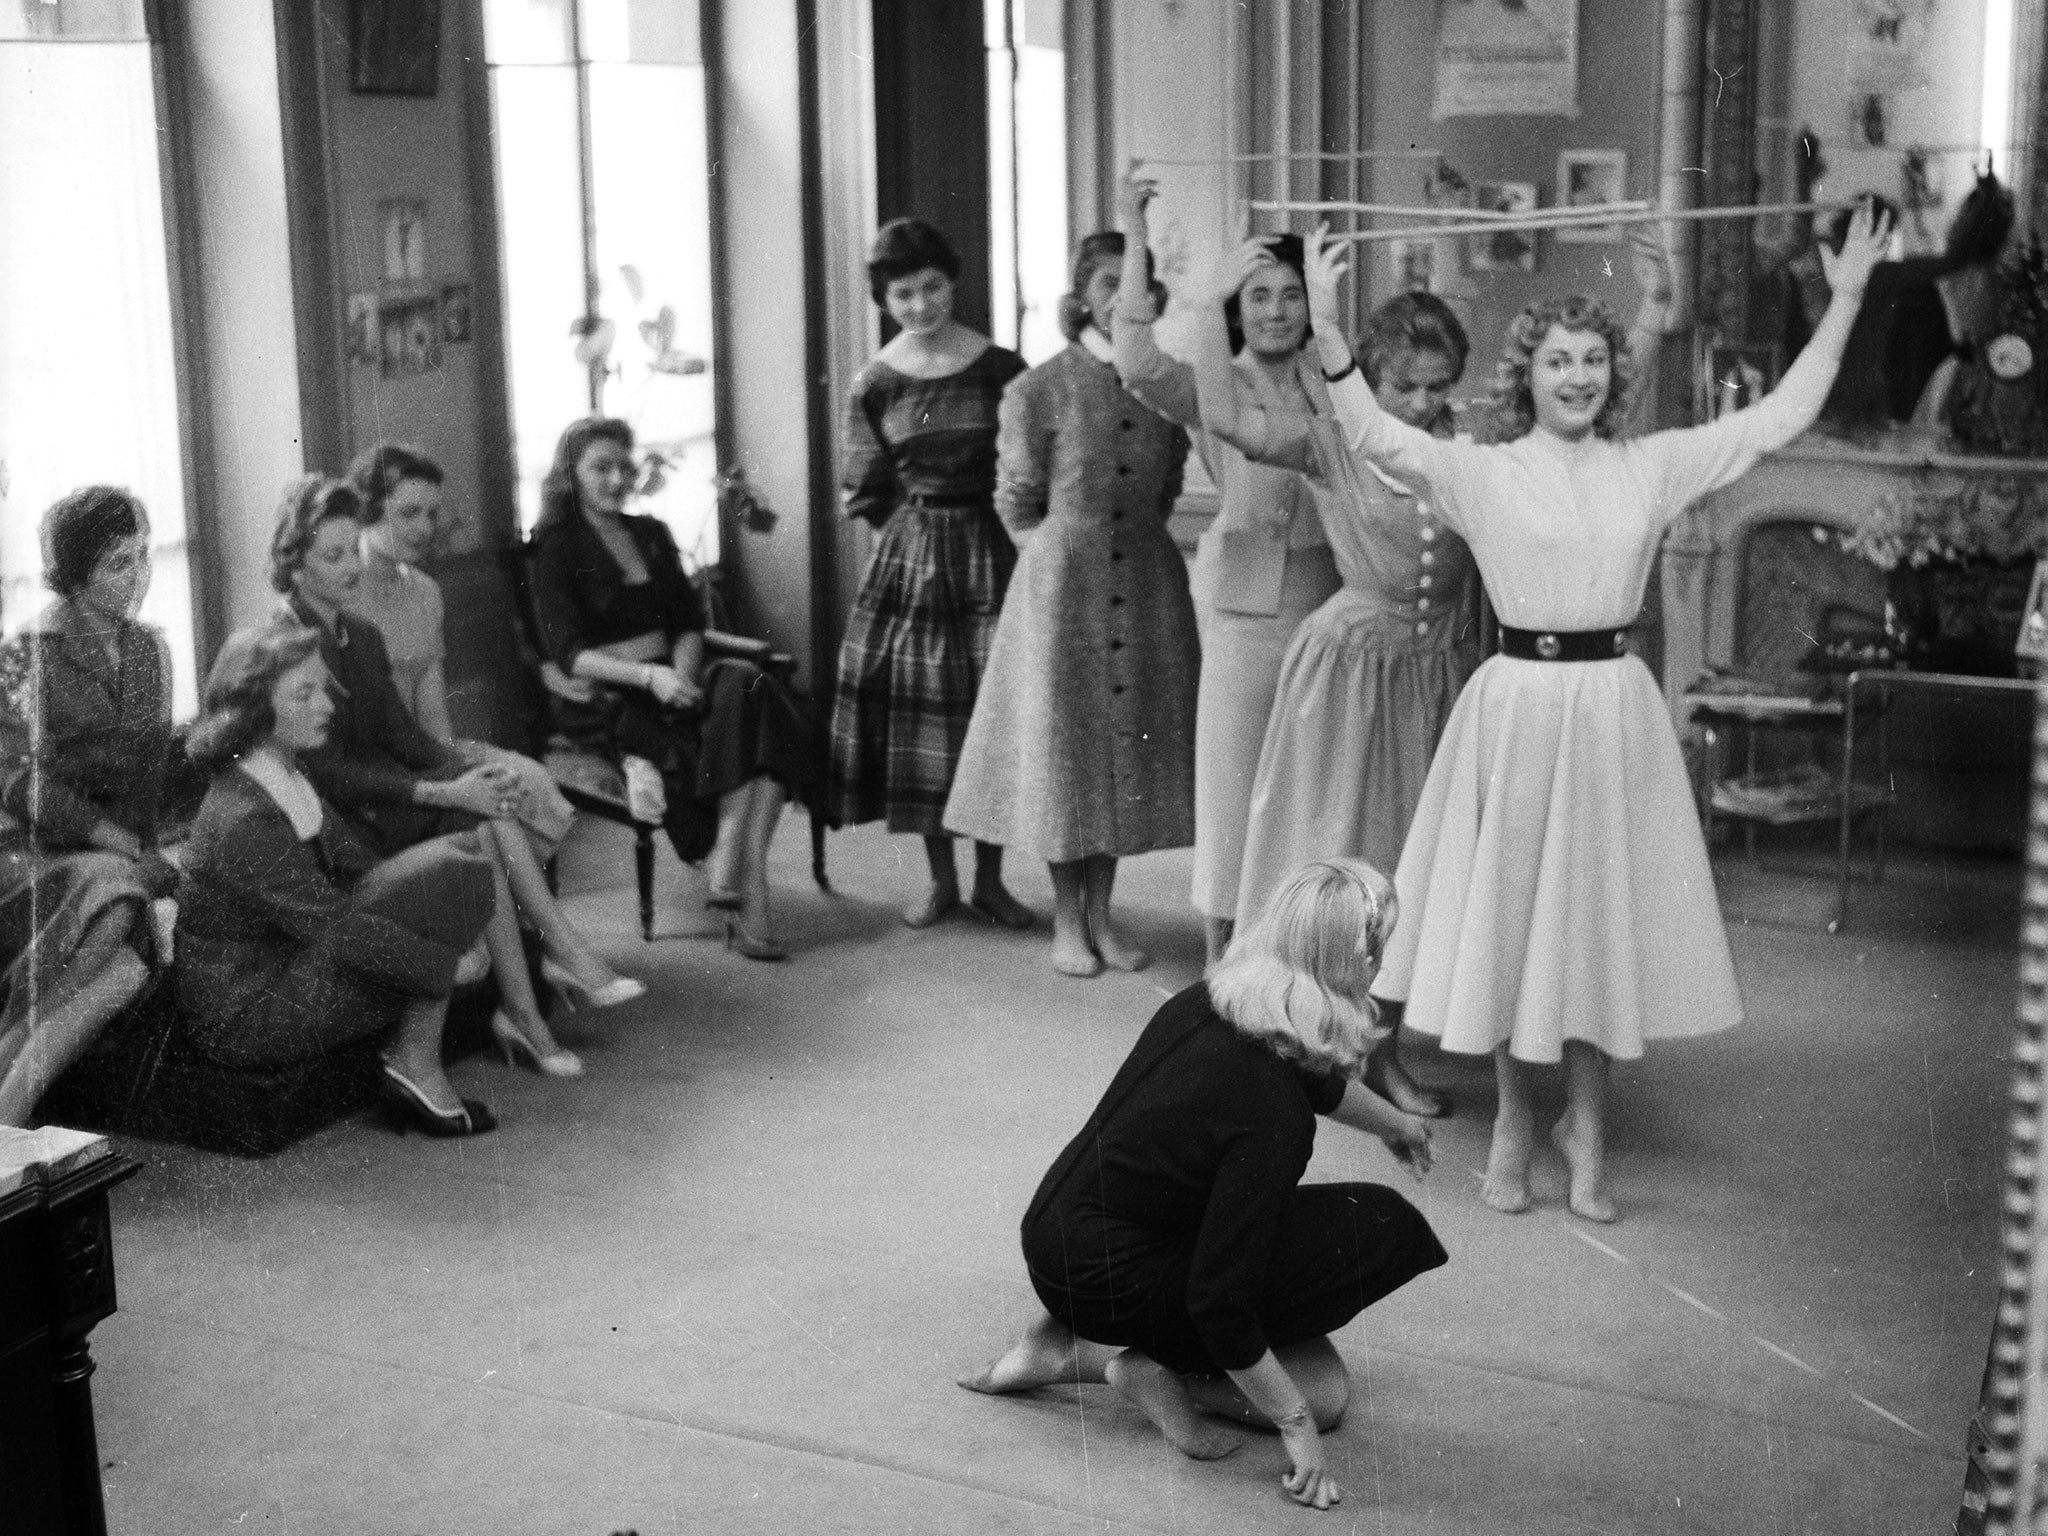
1563,644
929,501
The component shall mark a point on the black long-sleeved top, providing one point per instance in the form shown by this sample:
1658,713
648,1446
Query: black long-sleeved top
1194,1149
581,599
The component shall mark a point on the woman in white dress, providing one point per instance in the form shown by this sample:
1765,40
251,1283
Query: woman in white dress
1263,565
1558,901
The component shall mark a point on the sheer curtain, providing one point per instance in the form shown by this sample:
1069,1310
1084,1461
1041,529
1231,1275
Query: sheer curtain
88,384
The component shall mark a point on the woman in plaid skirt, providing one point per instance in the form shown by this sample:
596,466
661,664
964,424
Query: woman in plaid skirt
920,467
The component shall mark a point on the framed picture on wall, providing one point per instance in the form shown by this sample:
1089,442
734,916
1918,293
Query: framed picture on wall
1414,265
1586,178
394,47
362,328
410,335
1731,377
1507,250
458,318
402,221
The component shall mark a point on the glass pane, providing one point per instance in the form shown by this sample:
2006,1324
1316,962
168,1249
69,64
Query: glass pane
654,271
539,198
73,20
641,32
527,31
88,386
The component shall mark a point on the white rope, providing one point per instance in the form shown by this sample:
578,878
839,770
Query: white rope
1343,157
1596,213
1558,219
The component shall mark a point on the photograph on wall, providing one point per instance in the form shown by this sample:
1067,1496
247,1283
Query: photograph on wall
1414,265
1731,377
403,224
458,319
1497,58
362,328
410,335
394,47
1505,250
1587,178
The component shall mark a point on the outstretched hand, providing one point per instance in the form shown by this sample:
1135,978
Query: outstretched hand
1863,247
1324,263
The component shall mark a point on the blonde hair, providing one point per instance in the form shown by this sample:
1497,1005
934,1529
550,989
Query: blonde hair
1295,979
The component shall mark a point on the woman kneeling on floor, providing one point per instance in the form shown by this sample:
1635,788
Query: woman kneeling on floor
293,939
1178,1255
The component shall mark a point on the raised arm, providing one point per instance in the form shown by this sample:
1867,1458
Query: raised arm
1649,252
1164,383
1282,439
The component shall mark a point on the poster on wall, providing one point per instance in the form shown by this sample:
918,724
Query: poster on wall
1496,58
410,340
1505,250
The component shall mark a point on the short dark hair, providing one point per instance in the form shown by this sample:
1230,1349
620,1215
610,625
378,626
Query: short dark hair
1410,323
309,502
235,708
1982,225
558,489
904,247
1287,251
379,470
79,528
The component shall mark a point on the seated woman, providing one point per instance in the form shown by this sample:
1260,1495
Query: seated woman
85,696
400,493
1177,1254
715,748
395,784
293,939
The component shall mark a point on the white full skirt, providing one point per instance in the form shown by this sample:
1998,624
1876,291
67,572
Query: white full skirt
1555,885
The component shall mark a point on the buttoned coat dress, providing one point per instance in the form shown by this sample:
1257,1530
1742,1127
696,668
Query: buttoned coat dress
1083,736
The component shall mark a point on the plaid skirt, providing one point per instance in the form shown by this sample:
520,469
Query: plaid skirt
911,663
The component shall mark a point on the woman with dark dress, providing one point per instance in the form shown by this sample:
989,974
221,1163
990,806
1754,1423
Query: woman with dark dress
293,937
395,784
85,730
713,750
921,467
1177,1254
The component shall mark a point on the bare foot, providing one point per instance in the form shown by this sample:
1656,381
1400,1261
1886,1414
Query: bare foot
1392,1083
942,898
1586,1161
1073,957
1507,1163
1116,954
1163,1398
1001,908
1043,1355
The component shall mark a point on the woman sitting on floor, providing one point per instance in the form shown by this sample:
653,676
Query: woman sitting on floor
397,785
400,492
711,750
1177,1254
86,695
293,939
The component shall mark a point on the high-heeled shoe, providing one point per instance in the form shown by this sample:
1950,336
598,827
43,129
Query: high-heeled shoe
741,942
560,1062
578,993
408,1107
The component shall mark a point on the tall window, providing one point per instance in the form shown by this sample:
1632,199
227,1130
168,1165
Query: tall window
88,381
604,208
1027,149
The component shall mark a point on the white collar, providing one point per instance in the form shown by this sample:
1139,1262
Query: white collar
292,790
1097,345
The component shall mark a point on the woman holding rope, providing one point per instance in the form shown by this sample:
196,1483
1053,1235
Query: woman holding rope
1559,903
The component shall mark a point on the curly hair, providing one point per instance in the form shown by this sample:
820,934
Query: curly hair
905,247
1296,978
1514,404
81,527
309,502
1409,323
235,709
378,471
558,490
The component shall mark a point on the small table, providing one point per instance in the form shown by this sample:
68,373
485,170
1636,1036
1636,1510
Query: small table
56,1284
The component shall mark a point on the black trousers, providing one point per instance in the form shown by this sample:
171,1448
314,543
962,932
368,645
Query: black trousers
1341,1248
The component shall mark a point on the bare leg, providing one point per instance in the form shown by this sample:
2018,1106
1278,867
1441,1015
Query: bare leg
944,894
1216,935
559,937
1071,955
1582,1134
1514,1128
73,1013
1162,1396
764,799
416,1052
508,962
992,899
1115,953
1317,1369
1385,1075
724,867
1045,1353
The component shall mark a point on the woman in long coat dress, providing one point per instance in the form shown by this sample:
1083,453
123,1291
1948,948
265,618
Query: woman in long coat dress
1081,750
